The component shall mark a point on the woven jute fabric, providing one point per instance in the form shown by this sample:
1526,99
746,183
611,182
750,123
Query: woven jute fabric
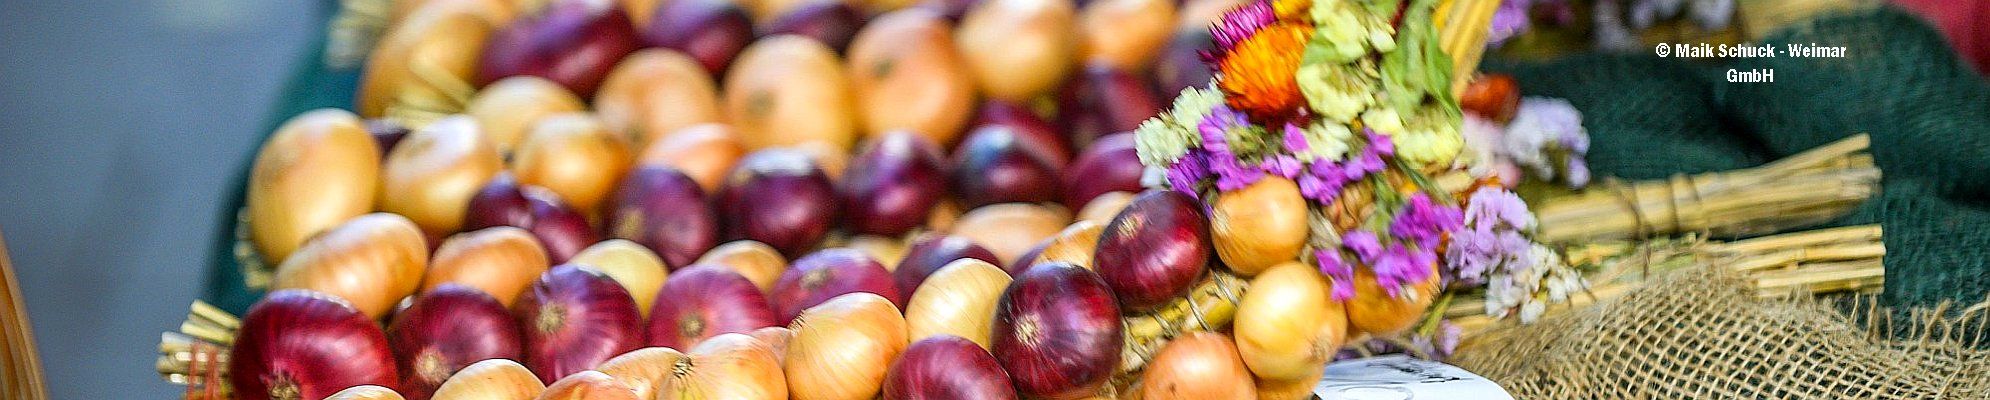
1698,334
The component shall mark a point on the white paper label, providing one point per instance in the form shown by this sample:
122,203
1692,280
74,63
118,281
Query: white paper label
1398,377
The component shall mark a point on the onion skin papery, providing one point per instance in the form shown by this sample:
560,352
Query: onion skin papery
705,301
958,300
1124,34
665,211
1259,226
887,251
947,367
562,231
703,152
710,31
576,156
501,261
574,318
929,254
508,108
630,264
1109,165
1375,312
1057,332
655,93
371,262
757,261
1011,229
642,369
995,165
1154,250
432,174
588,385
843,348
730,366
297,344
573,43
776,338
778,197
1075,244
827,274
786,90
892,185
318,170
445,330
1197,366
1296,389
366,392
448,40
833,22
493,379
1287,325
1019,49
1102,208
908,76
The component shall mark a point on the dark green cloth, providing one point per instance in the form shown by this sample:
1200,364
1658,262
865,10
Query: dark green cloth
1650,117
1928,115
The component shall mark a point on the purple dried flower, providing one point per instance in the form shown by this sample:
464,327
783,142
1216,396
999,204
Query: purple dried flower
1233,174
1341,272
1295,140
1491,241
1283,165
1187,171
1240,23
1508,21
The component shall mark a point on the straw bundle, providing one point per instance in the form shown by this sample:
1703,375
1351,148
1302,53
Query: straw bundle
197,355
20,368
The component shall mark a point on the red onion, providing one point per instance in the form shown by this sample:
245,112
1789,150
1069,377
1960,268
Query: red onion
928,254
1110,164
1104,100
301,344
952,9
1057,332
1155,249
1181,66
892,185
710,31
386,133
832,22
575,318
946,367
994,165
1023,263
826,274
563,231
778,197
703,301
445,330
1032,128
666,211
572,42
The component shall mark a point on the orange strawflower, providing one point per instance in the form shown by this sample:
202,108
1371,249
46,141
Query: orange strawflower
1257,75
1292,10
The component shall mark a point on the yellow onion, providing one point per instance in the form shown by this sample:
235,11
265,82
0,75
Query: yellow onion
1259,226
371,261
632,265
574,156
1291,389
1287,325
1010,229
425,63
493,379
887,251
1075,244
1125,34
787,90
318,170
642,369
366,392
757,261
831,157
655,93
640,11
588,385
907,76
843,347
957,300
501,261
1375,312
1197,366
776,338
499,12
430,176
1019,49
703,152
730,366
944,215
1101,209
508,108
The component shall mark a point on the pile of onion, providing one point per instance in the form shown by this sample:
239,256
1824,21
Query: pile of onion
833,22
906,75
1057,332
318,170
500,261
1260,225
430,176
1110,164
366,392
559,228
371,262
958,300
710,31
1104,100
637,269
299,344
704,301
1287,325
1374,311
947,367
1198,366
754,260
574,318
703,152
1033,129
575,156
843,347
787,90
655,93
729,366
449,40
996,165
664,210
1011,229
588,385
1019,49
508,108
1125,33
829,273
573,43
493,379
778,197
929,253
892,185
444,331
1155,250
